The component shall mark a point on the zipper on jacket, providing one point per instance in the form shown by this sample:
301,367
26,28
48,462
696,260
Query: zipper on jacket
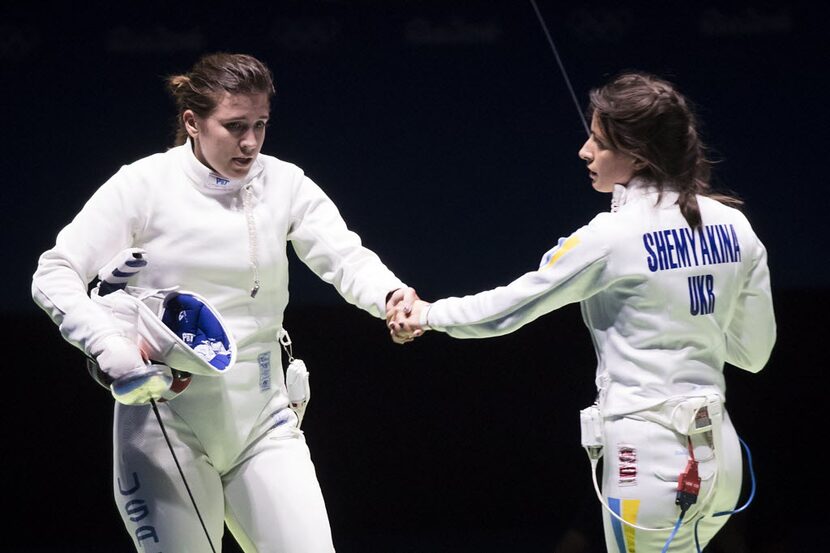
247,194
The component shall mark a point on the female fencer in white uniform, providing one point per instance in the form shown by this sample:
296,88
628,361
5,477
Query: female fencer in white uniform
673,283
214,216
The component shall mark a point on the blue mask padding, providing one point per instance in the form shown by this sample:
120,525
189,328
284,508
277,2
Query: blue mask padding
195,324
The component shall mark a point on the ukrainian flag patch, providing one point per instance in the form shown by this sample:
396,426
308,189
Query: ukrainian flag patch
564,246
624,534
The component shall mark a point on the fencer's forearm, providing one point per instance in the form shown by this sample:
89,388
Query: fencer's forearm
463,318
61,294
506,308
323,242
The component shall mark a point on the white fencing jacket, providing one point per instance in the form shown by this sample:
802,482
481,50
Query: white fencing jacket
212,236
666,306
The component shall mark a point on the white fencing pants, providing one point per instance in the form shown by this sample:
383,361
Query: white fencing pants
270,500
640,469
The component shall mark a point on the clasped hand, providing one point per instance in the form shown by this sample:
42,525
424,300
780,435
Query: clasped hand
403,315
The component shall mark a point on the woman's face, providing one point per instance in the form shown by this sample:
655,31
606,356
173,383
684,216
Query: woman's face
606,166
230,138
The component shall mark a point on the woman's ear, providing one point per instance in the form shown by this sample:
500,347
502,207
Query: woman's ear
190,126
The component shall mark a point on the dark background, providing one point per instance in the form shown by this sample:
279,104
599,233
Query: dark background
446,135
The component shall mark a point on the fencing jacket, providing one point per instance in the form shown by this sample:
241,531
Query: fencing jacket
215,237
666,306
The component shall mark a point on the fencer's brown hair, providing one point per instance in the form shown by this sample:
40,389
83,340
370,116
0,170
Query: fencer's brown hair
646,117
201,88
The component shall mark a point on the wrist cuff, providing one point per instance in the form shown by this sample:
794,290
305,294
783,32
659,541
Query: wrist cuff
424,318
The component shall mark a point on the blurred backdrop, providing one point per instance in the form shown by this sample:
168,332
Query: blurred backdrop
447,136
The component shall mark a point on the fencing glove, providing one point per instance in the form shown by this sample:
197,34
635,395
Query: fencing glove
121,367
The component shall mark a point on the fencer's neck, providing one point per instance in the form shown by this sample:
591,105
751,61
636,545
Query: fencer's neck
208,180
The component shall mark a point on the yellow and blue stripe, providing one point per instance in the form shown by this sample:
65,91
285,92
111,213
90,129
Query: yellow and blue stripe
561,249
624,535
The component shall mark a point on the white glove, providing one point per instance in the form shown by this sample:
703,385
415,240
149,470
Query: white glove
133,381
118,355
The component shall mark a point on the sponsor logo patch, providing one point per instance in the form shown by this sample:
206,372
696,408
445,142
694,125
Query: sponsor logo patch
219,181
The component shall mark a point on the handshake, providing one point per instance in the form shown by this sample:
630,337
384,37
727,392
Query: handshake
404,310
